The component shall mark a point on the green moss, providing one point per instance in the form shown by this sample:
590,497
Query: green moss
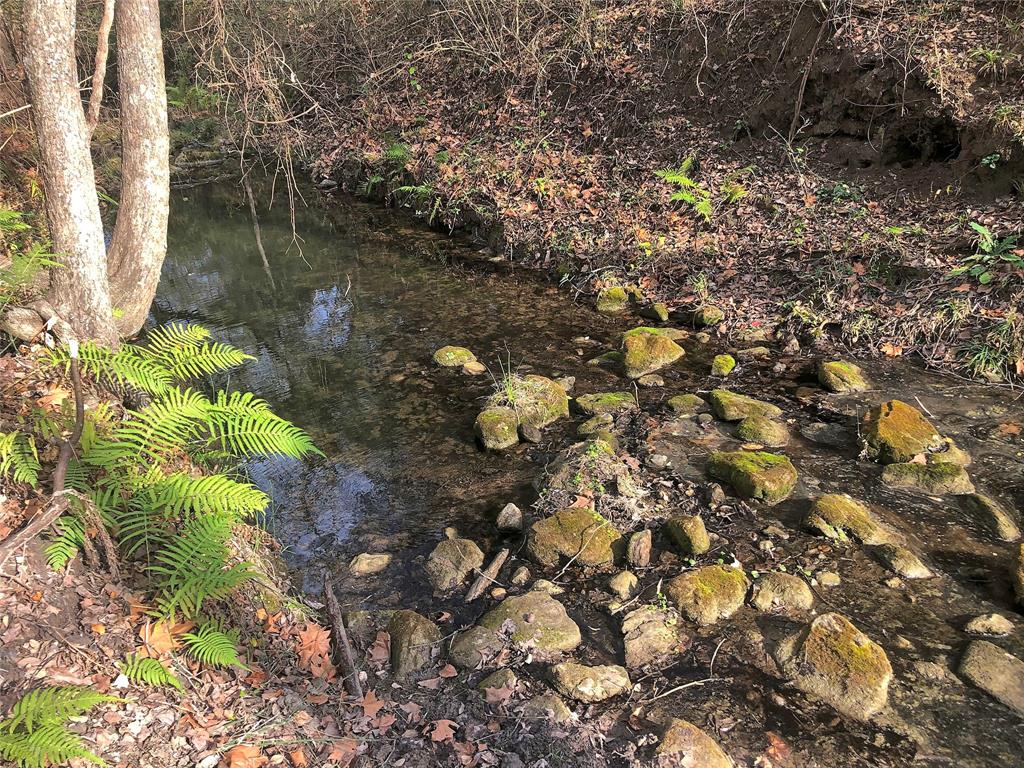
708,594
577,532
612,299
731,406
600,423
607,359
758,429
688,404
930,478
754,474
646,330
606,402
722,365
707,316
656,311
453,357
841,376
840,518
895,432
648,352
689,534
497,428
537,400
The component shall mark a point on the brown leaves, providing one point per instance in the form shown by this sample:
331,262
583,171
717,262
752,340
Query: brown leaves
244,756
342,752
314,649
380,650
371,704
891,350
161,637
443,730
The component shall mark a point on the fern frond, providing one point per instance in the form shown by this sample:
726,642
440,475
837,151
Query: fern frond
65,545
243,425
125,367
193,567
45,706
19,458
210,644
209,494
143,669
185,353
48,745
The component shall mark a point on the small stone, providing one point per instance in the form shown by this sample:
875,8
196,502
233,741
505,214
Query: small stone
656,311
510,518
782,591
548,707
566,382
651,380
688,405
937,479
638,551
707,595
730,406
590,684
902,561
685,745
989,624
998,673
895,432
596,425
760,475
657,461
841,377
22,323
367,563
520,576
624,584
689,535
753,353
474,368
497,428
612,299
766,432
499,593
828,578
414,640
950,453
547,587
650,634
792,346
993,514
645,353
502,678
606,402
722,365
530,433
451,562
840,518
708,316
453,357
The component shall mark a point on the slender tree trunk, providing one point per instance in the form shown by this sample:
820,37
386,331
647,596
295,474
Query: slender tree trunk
139,243
79,288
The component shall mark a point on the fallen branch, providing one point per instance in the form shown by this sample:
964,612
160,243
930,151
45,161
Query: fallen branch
487,576
343,651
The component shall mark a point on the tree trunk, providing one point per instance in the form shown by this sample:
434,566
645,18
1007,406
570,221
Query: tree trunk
139,243
78,289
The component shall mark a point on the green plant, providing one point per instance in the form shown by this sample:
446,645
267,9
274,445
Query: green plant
19,458
35,735
27,257
150,671
689,191
993,61
990,251
211,644
397,154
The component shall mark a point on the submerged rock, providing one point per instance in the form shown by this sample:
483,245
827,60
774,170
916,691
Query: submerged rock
836,662
688,405
895,432
998,673
647,352
606,402
840,376
709,594
453,357
367,563
612,299
707,316
936,479
451,562
549,707
758,429
590,684
689,535
769,477
650,634
497,428
840,518
781,591
993,514
833,435
684,744
722,365
534,620
414,641
901,561
576,532
992,624
730,406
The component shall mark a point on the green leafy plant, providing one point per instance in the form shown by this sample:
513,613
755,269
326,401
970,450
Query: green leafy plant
990,252
149,671
699,196
19,458
211,644
27,257
35,734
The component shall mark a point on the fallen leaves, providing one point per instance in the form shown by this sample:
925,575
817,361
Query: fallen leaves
443,730
314,650
371,704
244,756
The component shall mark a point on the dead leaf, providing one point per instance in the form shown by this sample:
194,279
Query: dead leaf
432,684
891,350
1009,428
380,650
298,758
342,752
413,710
443,730
314,640
499,695
244,756
448,671
371,704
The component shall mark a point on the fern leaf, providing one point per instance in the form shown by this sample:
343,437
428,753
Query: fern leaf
18,457
65,545
185,353
143,669
209,494
44,706
48,745
125,367
210,644
243,425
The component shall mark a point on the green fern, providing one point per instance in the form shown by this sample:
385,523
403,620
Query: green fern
210,644
19,458
47,745
184,351
143,669
65,545
209,494
47,706
398,154
244,426
127,367
194,567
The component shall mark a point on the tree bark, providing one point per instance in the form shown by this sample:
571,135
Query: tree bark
139,242
79,288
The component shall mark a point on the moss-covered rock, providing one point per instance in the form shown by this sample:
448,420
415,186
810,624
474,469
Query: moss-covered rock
895,432
606,402
689,535
781,592
673,334
708,316
453,357
841,518
901,560
578,532
650,634
603,422
992,515
645,353
535,619
753,353
730,406
709,594
612,299
451,562
655,311
548,707
497,428
839,664
688,405
684,744
502,678
536,400
998,673
930,478
722,365
414,642
769,477
764,431
840,376
590,684
949,453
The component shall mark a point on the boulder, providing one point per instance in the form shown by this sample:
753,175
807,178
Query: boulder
767,432
22,323
722,365
709,594
902,561
730,406
840,376
612,299
650,634
688,405
414,641
781,592
497,428
895,432
992,624
590,684
578,532
836,662
638,551
645,353
534,620
936,479
548,707
451,562
992,514
624,584
685,745
760,475
840,518
998,673
367,563
606,402
689,535
453,357
708,316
